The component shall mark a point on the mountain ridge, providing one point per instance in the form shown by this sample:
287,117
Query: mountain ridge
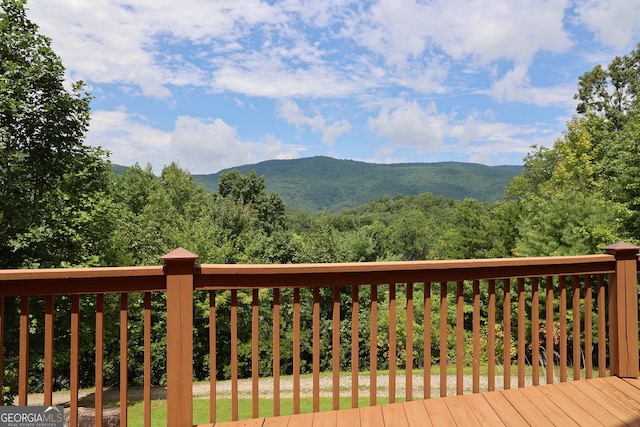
321,183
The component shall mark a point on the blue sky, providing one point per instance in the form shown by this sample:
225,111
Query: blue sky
222,83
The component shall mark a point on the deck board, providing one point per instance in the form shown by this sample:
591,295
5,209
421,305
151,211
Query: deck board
461,412
417,413
394,415
505,410
588,405
609,401
532,414
276,421
483,411
371,416
552,411
617,408
438,412
577,413
348,417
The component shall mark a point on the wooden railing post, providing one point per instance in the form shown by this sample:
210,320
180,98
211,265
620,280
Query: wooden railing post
179,266
623,311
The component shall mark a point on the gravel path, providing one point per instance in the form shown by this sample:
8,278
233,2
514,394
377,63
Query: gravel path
265,387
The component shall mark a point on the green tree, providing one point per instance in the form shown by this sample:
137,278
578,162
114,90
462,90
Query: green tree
592,172
612,92
54,208
479,230
569,222
250,192
409,235
159,214
627,179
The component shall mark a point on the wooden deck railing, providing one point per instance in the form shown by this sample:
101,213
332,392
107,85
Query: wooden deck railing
514,322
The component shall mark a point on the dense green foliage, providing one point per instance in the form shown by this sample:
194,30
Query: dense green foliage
326,184
61,206
53,206
583,193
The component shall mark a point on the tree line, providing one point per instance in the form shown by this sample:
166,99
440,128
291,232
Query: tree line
62,206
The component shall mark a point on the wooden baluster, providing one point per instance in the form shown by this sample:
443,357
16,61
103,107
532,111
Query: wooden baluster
124,349
409,344
476,336
426,380
588,326
23,363
373,347
535,331
48,350
460,337
602,330
74,377
99,397
213,369
147,359
506,333
522,341
355,309
443,339
276,352
577,342
491,338
392,342
234,354
296,351
255,353
563,328
316,349
550,329
335,363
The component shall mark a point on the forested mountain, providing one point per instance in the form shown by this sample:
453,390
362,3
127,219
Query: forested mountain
326,184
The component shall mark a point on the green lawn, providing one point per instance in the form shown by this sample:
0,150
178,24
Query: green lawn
201,409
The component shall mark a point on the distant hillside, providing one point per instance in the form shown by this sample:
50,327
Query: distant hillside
323,183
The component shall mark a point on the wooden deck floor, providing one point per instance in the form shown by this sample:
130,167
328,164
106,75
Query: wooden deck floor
607,401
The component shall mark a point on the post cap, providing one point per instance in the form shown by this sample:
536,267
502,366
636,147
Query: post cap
179,255
622,248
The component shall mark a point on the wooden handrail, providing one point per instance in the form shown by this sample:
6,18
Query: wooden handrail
224,276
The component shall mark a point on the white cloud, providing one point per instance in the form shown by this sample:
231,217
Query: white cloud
293,48
482,30
291,112
260,75
129,138
408,124
198,145
515,86
207,146
614,22
106,42
491,142
476,138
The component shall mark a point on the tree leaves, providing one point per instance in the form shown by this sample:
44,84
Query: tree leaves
52,187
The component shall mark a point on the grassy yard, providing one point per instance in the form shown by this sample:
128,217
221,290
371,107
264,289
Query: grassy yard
201,409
